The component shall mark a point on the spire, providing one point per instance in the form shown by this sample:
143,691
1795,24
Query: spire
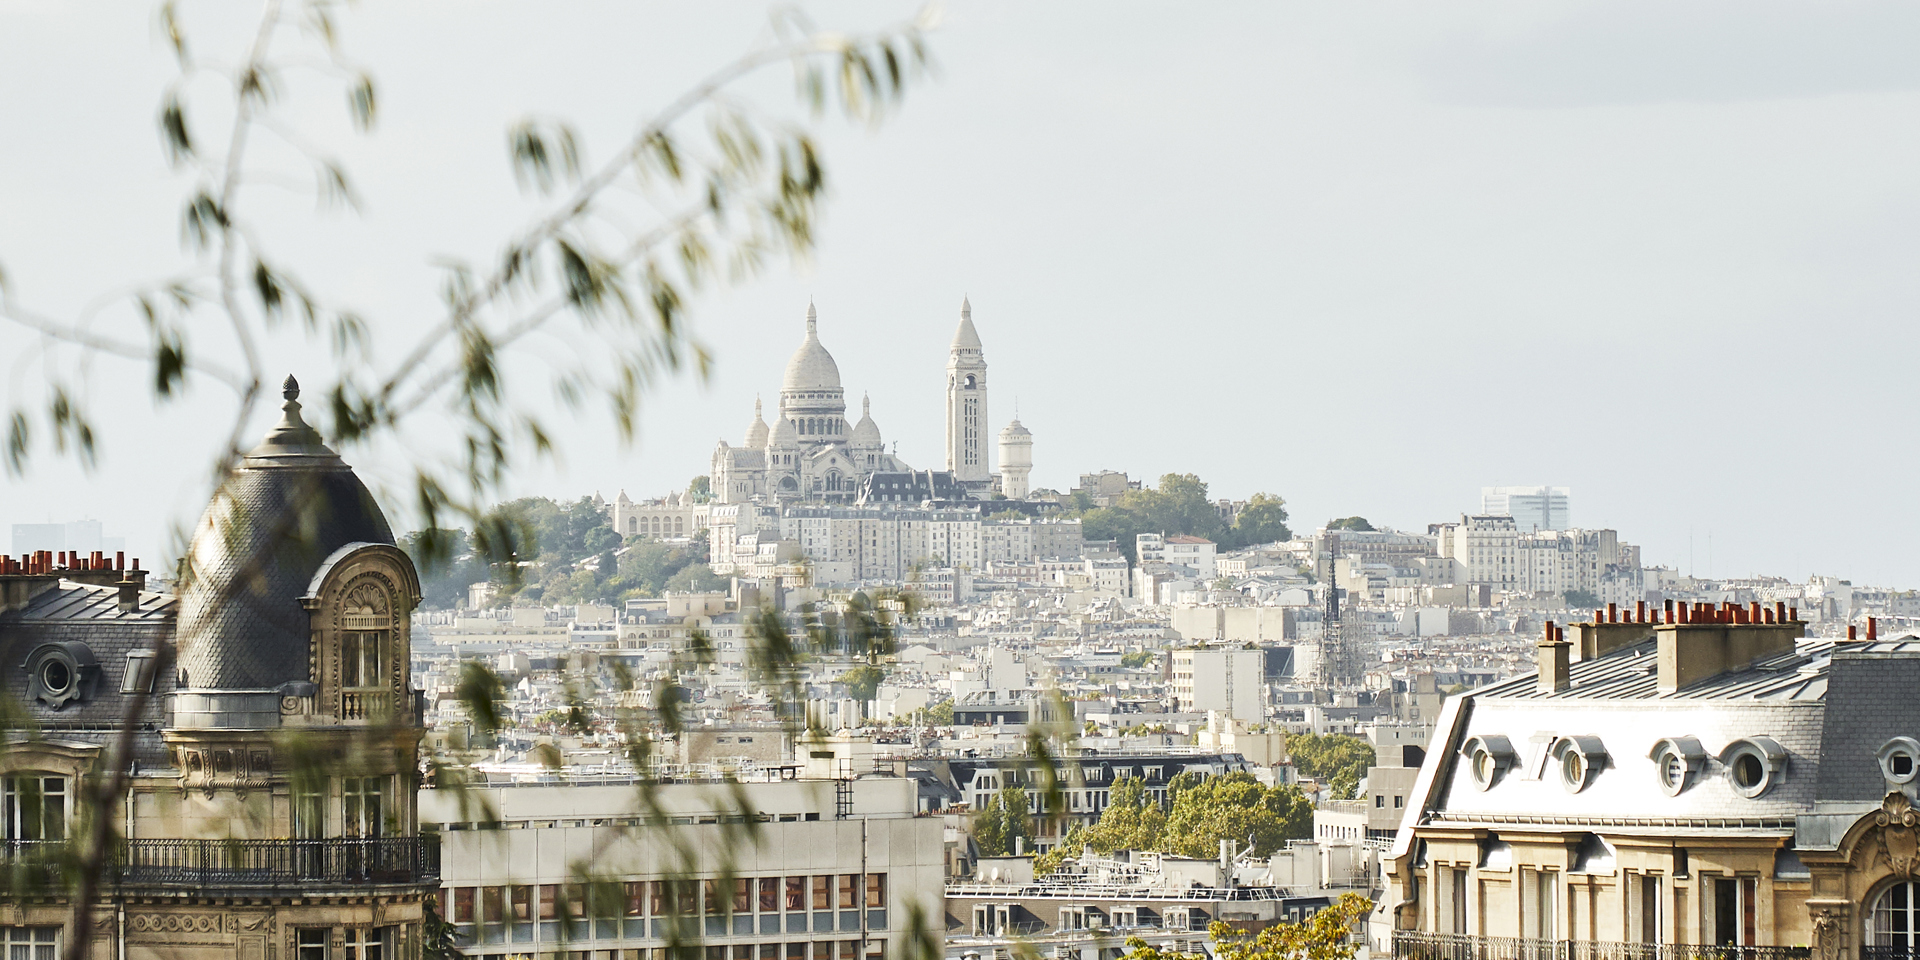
813,321
966,338
756,407
866,405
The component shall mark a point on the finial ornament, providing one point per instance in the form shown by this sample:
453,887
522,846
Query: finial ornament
966,307
813,317
291,388
866,405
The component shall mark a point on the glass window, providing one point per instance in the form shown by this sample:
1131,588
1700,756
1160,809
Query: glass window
636,898
35,809
876,889
549,901
310,943
463,904
823,893
1892,922
769,895
362,806
368,943
849,882
361,664
742,896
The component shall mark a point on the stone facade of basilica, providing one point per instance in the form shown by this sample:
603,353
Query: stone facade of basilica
811,454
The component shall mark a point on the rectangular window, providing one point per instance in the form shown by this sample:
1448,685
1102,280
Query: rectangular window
769,894
309,808
823,893
362,806
876,890
742,895
463,904
849,882
360,660
549,901
36,809
368,943
310,943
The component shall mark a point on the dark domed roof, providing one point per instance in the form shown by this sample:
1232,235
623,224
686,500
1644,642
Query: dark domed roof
289,506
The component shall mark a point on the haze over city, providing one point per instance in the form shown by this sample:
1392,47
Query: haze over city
1370,260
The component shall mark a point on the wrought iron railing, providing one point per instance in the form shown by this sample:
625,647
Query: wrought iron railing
251,863
1415,945
1877,952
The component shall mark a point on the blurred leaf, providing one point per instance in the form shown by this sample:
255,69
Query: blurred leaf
361,102
173,131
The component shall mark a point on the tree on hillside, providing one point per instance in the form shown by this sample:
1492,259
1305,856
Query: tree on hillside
1359,524
1178,506
1262,520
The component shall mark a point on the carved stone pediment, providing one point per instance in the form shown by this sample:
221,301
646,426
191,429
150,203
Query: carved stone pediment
1899,834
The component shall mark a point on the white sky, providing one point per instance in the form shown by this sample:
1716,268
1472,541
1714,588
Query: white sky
1370,257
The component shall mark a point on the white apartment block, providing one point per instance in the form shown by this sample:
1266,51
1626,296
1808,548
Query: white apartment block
1195,553
1226,679
1493,551
836,871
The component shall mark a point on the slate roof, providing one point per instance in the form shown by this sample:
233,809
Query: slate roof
91,615
1830,705
291,504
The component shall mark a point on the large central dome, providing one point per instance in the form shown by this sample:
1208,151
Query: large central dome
288,507
812,367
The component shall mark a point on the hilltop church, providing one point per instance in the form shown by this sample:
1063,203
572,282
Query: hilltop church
811,454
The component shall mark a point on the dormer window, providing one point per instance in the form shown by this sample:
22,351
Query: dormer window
1580,760
1900,760
1488,759
1677,760
1754,765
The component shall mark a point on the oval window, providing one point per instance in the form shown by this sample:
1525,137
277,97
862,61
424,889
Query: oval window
1748,771
56,676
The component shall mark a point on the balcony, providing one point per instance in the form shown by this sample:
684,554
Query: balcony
1414,945
253,864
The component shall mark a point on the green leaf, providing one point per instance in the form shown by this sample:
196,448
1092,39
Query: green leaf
173,131
268,288
361,102
19,440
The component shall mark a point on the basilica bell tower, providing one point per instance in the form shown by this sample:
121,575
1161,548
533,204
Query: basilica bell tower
967,404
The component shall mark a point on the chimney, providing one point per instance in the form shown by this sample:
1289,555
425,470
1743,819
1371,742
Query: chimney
1607,634
130,586
1556,661
1712,642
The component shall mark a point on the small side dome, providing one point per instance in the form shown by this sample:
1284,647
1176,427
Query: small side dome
866,433
1015,431
757,430
784,434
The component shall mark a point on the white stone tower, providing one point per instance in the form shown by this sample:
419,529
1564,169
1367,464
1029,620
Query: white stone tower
1016,459
967,403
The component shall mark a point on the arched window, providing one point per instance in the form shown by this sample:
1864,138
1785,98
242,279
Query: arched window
365,646
1895,917
633,525
679,525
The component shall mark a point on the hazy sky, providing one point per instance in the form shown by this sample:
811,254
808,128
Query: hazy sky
1370,257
